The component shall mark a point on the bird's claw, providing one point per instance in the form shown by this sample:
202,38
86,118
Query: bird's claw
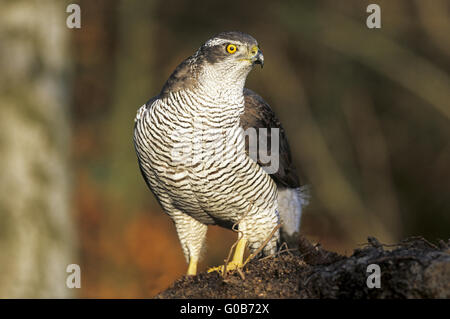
230,267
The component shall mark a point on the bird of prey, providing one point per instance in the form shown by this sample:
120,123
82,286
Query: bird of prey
193,151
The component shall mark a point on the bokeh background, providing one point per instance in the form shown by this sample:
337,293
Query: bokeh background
367,113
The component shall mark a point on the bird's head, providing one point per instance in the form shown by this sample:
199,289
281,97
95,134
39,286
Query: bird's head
228,57
221,64
234,50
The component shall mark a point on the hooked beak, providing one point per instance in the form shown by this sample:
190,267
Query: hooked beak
258,57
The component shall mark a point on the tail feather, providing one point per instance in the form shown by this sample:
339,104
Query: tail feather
304,193
290,205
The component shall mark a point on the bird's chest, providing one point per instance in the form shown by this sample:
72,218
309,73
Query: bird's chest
196,157
202,150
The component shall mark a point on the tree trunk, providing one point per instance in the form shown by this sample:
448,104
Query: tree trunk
36,226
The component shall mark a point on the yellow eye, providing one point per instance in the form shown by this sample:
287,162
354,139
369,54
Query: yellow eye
231,48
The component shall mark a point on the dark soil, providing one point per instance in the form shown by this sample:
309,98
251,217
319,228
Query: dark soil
413,268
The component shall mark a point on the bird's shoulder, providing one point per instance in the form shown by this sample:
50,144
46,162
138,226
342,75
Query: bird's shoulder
144,108
183,77
258,114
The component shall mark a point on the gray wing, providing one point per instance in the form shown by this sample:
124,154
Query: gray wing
258,114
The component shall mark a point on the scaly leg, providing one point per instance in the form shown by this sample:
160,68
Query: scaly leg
192,235
192,269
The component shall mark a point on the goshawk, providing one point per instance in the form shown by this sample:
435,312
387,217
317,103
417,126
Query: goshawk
194,145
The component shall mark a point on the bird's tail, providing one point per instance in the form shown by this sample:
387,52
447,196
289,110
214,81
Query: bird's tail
291,202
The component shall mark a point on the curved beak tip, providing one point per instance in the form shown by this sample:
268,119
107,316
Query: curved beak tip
259,59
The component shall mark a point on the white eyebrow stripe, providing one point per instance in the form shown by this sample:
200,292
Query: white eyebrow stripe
218,41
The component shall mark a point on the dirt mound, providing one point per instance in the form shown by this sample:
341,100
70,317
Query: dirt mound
414,268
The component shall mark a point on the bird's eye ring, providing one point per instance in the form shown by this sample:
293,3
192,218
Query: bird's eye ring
231,48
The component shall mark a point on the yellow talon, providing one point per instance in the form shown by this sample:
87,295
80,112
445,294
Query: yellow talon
237,261
230,266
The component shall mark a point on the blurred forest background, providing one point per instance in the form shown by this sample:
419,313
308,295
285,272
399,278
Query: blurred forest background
367,113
